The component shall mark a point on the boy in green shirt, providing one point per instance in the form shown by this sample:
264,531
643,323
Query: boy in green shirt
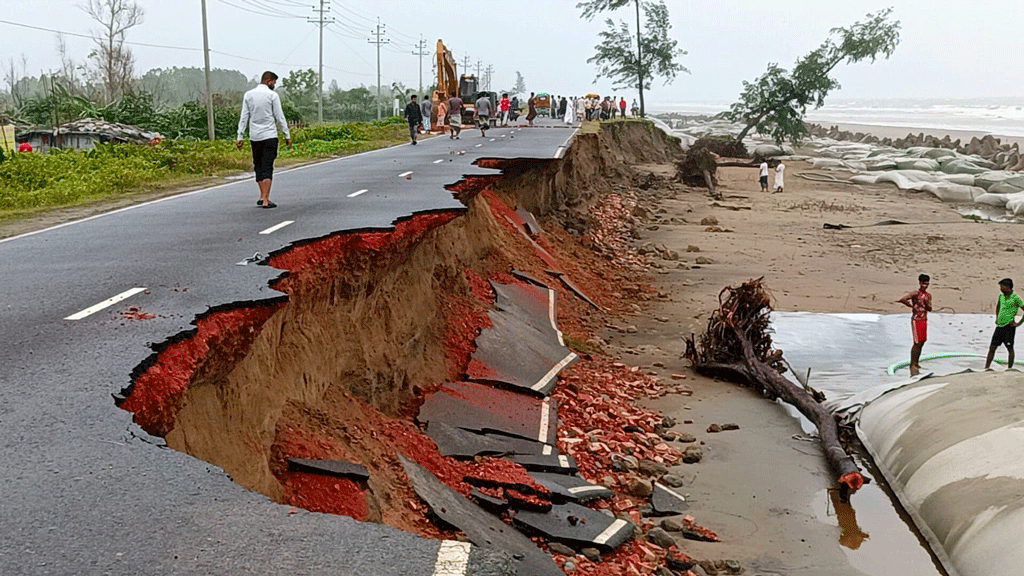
1006,322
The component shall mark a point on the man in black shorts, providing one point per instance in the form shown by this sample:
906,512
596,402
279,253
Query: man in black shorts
1006,322
261,114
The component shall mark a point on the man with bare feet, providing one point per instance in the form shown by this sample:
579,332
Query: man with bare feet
920,303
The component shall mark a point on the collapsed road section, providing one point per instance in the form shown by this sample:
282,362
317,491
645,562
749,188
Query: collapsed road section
419,376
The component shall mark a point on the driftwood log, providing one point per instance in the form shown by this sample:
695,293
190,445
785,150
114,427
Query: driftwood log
737,347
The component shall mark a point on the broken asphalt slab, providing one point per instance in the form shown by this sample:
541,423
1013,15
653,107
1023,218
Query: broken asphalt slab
339,468
577,526
481,527
460,443
483,408
568,488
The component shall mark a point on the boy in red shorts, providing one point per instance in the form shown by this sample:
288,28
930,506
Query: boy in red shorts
920,303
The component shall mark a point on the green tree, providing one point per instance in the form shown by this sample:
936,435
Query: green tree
654,53
776,102
300,89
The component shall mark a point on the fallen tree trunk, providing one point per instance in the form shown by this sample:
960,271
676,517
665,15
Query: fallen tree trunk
738,347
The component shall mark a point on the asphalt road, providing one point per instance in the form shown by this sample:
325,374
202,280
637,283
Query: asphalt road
85,491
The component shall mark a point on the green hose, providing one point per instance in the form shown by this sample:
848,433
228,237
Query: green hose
892,369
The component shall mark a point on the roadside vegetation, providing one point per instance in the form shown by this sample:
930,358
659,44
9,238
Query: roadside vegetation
32,181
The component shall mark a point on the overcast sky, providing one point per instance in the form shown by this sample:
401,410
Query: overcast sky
949,48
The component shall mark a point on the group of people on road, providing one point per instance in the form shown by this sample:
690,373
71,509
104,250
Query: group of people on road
262,117
1007,304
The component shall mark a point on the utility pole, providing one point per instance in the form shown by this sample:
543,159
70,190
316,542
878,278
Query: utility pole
421,52
465,63
209,92
487,74
478,78
379,40
321,22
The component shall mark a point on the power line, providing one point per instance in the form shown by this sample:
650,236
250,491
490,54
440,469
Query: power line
251,11
91,38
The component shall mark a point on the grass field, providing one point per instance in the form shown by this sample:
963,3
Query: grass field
31,183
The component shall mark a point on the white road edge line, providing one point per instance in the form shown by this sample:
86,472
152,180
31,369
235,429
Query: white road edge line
277,227
559,151
404,174
452,558
108,302
545,420
358,192
610,531
439,160
551,316
554,370
183,195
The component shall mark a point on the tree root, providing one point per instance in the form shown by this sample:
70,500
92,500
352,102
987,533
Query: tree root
737,346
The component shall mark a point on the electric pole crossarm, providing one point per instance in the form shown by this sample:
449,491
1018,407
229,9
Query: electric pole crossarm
321,21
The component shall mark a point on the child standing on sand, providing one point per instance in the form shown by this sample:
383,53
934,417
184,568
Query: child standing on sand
920,303
1006,322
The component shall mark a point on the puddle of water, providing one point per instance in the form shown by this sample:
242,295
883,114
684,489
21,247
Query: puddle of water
877,536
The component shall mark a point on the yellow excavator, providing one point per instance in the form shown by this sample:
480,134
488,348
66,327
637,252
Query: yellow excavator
449,82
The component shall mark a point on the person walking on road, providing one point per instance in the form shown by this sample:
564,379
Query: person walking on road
483,113
414,116
425,111
1006,322
532,113
920,303
455,116
262,115
503,106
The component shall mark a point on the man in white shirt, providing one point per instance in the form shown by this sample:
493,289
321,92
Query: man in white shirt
764,175
261,113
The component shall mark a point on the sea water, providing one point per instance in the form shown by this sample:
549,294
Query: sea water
998,116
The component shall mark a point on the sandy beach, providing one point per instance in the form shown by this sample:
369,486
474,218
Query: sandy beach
764,488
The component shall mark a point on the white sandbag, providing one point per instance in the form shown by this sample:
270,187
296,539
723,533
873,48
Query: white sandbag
829,164
948,192
1005,187
768,151
925,164
962,166
987,179
864,179
989,199
1015,203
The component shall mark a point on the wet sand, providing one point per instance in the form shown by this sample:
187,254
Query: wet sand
765,488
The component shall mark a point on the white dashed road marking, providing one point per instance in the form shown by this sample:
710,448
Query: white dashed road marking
358,192
277,227
404,174
479,145
452,558
439,161
108,302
